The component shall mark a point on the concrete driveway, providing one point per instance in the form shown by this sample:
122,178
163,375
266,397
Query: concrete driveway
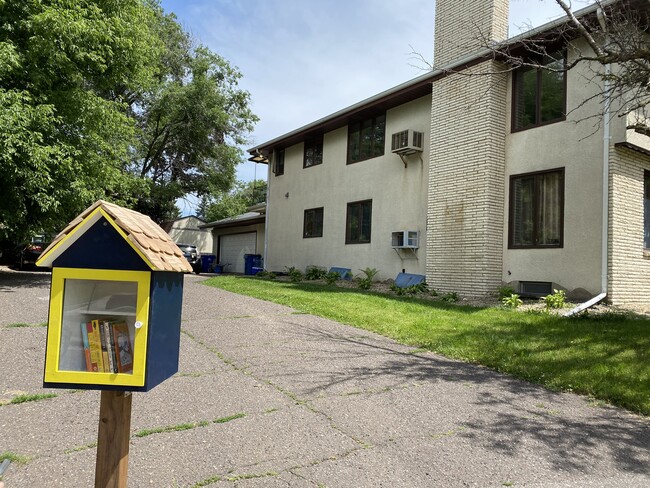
268,397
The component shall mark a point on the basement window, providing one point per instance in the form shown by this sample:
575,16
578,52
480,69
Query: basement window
535,289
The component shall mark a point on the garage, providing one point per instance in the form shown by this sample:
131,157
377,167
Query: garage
233,247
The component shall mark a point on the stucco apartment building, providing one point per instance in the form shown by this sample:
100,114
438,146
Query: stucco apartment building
471,174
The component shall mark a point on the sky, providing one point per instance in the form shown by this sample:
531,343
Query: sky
304,59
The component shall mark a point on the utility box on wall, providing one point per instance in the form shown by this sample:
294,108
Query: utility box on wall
115,302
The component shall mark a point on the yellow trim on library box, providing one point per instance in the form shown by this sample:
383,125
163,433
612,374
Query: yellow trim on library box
53,355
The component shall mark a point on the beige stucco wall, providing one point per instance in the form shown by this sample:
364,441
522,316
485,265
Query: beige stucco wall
398,197
577,146
186,231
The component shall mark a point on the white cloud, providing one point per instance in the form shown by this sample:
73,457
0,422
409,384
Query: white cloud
302,59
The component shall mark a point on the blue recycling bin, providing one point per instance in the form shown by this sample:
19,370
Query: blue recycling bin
251,261
207,262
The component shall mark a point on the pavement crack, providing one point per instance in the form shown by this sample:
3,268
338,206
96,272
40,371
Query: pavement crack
289,394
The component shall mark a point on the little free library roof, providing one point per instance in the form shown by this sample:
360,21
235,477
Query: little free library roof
150,242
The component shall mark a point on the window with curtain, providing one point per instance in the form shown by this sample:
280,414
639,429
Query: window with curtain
358,222
537,210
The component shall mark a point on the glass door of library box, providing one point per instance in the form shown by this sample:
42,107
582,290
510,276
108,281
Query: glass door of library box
98,330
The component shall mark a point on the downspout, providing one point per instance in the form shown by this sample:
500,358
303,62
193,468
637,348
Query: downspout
605,199
266,212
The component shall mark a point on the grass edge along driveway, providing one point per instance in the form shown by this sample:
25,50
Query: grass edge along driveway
606,357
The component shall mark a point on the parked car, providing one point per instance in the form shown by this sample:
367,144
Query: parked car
29,253
192,255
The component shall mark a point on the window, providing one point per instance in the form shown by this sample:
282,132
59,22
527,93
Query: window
537,210
313,223
357,224
646,210
366,139
539,94
278,168
313,153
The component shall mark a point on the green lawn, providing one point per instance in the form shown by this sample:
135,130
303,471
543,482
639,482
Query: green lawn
606,357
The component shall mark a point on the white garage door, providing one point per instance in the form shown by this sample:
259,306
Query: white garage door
232,249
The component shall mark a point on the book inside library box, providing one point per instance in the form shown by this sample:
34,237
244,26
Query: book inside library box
98,326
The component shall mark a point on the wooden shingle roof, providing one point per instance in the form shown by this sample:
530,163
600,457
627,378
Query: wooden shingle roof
153,244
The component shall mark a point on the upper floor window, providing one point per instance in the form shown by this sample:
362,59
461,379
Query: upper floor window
278,163
313,223
539,93
537,210
313,153
358,222
366,139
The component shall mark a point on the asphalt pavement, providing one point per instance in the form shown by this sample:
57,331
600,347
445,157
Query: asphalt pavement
270,397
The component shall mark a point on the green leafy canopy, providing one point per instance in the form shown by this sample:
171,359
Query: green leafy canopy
109,99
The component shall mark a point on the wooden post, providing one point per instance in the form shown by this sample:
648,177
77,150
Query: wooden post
112,464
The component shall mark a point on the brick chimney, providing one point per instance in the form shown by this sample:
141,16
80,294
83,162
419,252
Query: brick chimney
464,26
466,194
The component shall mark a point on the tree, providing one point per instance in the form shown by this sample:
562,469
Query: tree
190,123
109,99
618,54
617,36
64,132
235,202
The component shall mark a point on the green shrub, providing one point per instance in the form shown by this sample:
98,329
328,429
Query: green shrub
266,275
397,290
420,287
365,283
557,299
332,277
295,275
370,273
315,273
451,297
512,301
506,292
410,290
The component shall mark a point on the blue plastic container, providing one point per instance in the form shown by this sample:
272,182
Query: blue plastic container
207,262
251,261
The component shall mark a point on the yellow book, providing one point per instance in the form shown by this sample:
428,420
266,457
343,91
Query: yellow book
96,347
92,351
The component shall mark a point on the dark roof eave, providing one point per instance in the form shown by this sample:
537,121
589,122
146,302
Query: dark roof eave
234,223
411,90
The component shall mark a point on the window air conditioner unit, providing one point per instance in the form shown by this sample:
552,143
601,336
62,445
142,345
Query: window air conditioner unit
406,239
407,142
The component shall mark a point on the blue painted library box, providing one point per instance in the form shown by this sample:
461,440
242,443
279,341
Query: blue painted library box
115,302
